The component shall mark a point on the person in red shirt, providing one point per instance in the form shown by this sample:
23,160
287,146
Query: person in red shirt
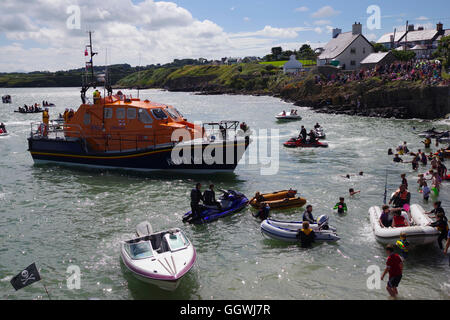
394,265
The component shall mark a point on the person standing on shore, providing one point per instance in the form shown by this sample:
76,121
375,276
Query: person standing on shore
394,266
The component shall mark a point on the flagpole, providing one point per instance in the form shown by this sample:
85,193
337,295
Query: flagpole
45,287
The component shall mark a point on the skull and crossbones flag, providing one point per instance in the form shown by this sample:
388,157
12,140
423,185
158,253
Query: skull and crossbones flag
26,277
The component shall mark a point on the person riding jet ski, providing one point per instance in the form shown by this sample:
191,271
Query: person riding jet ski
209,197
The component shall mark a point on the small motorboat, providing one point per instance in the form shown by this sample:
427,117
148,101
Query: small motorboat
6,99
161,258
287,231
288,116
298,143
278,200
419,233
320,133
21,110
230,202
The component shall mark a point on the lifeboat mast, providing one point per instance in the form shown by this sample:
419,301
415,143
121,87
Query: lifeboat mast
89,80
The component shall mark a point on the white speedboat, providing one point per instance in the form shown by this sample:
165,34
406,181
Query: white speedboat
419,233
161,258
288,116
287,231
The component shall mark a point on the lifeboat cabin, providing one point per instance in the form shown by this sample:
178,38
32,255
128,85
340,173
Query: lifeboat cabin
121,132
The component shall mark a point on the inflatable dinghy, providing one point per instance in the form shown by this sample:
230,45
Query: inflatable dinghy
287,231
419,233
278,200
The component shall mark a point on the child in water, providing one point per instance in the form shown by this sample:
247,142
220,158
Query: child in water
352,192
306,235
403,245
426,191
341,207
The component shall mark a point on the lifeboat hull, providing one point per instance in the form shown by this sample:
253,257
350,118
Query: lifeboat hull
76,153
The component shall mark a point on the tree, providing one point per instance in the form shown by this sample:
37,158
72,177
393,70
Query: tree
277,51
378,47
306,53
443,51
404,55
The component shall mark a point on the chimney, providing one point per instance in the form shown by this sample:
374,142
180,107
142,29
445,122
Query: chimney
357,28
410,27
440,28
336,32
392,38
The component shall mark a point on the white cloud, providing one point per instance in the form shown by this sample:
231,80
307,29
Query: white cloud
38,39
422,18
321,22
301,9
325,12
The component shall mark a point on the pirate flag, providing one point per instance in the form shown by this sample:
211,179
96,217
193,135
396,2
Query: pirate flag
26,277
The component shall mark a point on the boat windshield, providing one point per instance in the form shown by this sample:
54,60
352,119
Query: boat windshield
176,241
140,250
172,113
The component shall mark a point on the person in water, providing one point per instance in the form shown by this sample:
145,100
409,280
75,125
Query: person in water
306,235
426,191
394,266
263,212
399,220
209,197
403,245
352,192
437,209
397,158
196,197
404,180
442,225
317,126
427,142
307,215
390,152
3,127
341,206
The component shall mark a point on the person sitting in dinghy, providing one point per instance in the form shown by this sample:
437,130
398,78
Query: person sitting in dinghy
3,128
399,220
385,219
307,215
263,212
306,235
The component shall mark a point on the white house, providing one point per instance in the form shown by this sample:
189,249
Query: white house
293,65
346,50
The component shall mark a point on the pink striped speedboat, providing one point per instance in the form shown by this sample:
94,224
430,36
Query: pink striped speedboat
161,259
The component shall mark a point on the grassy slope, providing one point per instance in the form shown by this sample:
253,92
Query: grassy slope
279,64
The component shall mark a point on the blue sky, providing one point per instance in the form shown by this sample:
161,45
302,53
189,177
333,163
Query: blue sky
34,34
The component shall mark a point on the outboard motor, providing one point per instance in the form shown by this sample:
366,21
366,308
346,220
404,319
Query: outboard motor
322,222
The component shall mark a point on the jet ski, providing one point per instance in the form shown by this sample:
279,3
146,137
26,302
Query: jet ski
231,202
298,143
288,116
432,133
287,231
320,134
160,258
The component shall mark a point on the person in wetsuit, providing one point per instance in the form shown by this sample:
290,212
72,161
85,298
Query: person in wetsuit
196,197
306,235
263,212
307,215
209,197
442,225
341,206
303,134
312,137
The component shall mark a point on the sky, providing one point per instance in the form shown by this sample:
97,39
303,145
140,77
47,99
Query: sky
51,34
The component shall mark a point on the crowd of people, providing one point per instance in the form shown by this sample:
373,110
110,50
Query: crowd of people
427,71
30,109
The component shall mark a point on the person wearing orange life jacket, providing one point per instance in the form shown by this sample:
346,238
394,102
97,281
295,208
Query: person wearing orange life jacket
70,114
66,115
45,120
401,197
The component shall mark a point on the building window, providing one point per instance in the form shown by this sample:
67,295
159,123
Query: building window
364,50
108,113
353,50
353,63
131,113
120,113
144,117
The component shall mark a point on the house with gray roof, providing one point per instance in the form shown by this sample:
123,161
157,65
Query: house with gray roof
377,58
293,65
346,50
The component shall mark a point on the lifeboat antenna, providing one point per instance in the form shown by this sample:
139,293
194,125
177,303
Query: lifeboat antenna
139,75
90,80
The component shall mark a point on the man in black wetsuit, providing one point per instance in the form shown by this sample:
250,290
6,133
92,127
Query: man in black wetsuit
303,134
312,136
196,197
209,197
